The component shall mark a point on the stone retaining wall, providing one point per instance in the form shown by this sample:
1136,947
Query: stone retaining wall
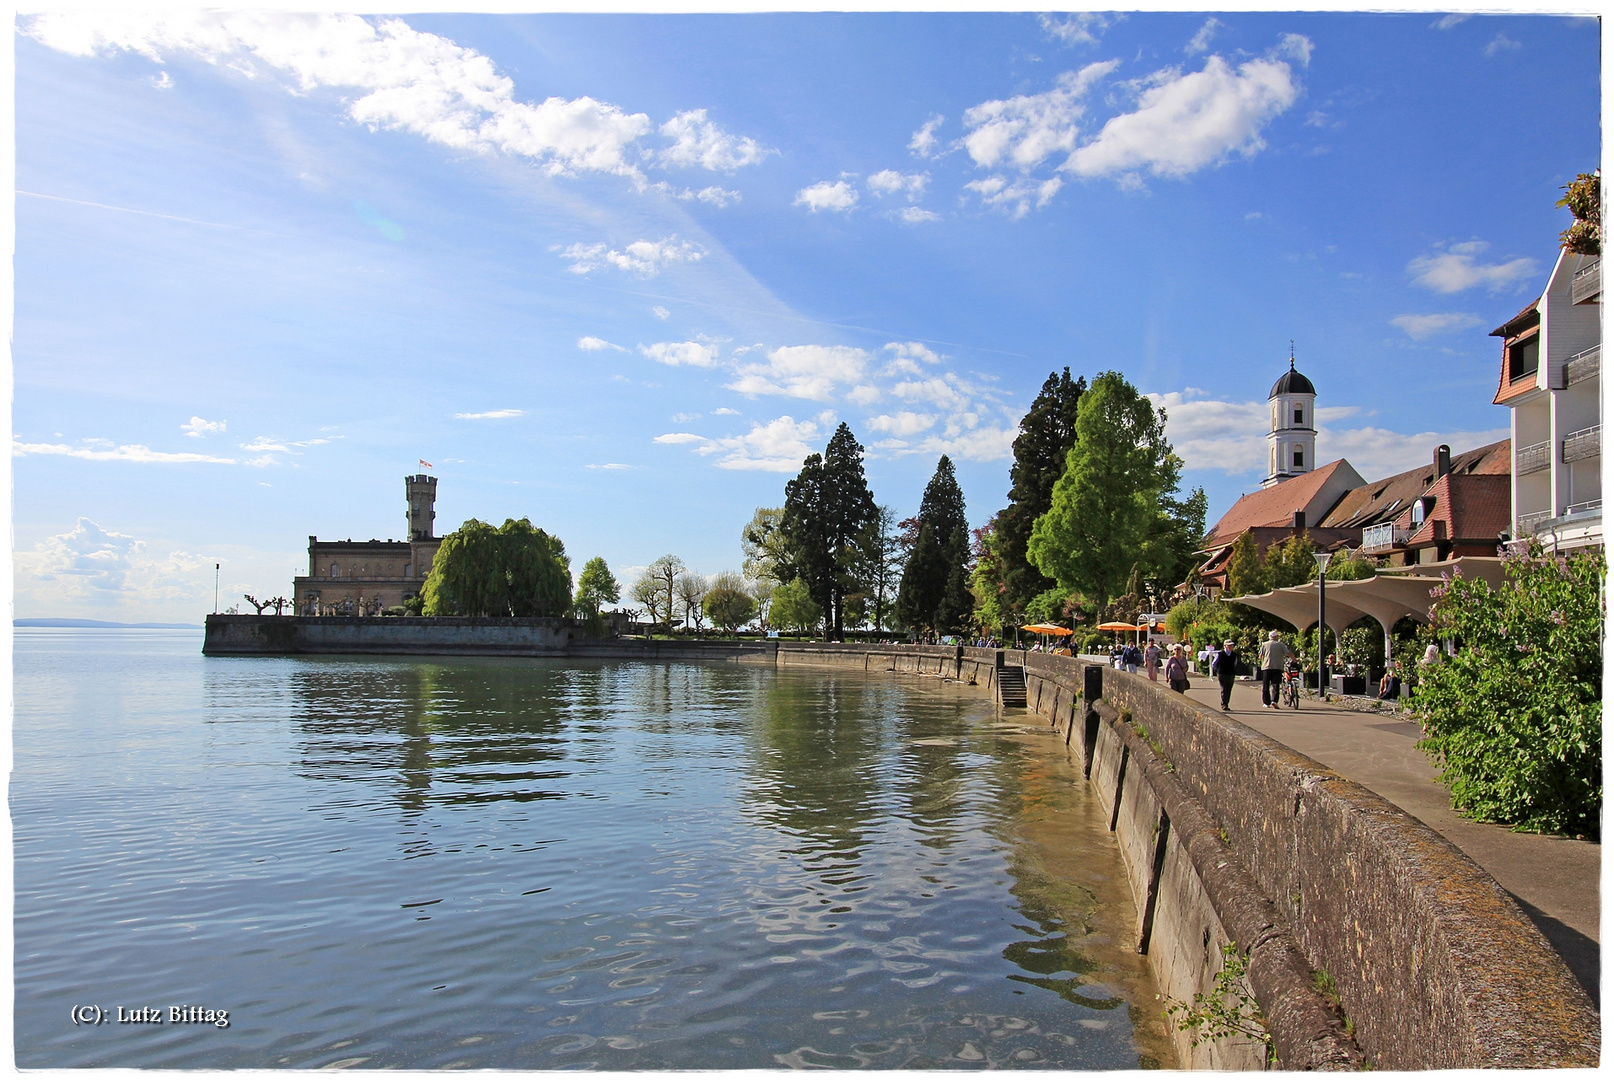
282,635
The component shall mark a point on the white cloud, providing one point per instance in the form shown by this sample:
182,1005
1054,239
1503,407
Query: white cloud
1297,47
660,312
824,195
903,423
1015,198
162,81
698,141
1077,28
646,258
892,182
717,196
924,141
1024,130
679,438
141,455
725,412
777,446
864,395
681,353
99,559
940,392
1446,22
1207,434
609,465
912,350
1377,453
972,444
199,427
1201,40
913,215
590,343
1184,123
1455,269
404,80
1501,43
263,444
497,414
804,371
100,573
1254,215
1419,327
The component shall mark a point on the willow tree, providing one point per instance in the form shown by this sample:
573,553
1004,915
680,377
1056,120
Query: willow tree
516,570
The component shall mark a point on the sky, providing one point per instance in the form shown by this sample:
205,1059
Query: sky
620,274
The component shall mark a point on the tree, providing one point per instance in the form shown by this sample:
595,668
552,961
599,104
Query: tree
763,544
1047,432
1108,499
827,518
793,606
516,570
596,587
885,555
1514,716
986,580
691,592
648,590
1291,562
664,572
1583,197
935,582
1245,574
728,603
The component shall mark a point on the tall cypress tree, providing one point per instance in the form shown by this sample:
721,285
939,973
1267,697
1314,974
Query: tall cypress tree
935,582
828,517
1047,433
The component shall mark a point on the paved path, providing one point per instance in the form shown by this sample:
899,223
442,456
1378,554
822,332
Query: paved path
1555,880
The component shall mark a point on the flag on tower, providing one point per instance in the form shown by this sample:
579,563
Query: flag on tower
424,464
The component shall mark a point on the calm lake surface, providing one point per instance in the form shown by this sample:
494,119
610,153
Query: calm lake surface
542,865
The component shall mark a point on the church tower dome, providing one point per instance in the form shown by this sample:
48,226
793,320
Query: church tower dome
1292,438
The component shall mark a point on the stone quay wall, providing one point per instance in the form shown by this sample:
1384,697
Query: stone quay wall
1370,938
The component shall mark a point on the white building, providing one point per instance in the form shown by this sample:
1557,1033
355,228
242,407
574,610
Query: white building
1292,436
1551,381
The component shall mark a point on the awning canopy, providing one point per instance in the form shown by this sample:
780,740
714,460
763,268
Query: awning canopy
1393,594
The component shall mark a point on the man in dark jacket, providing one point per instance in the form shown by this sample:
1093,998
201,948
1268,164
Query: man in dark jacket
1224,665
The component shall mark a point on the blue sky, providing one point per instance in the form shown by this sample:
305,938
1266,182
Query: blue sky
618,274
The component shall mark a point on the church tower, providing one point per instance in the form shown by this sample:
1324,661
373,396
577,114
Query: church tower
422,492
1292,439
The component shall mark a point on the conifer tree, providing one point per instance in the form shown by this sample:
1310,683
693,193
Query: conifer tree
828,517
1047,433
935,582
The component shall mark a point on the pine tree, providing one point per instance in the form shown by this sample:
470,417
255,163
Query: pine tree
1047,433
828,518
935,583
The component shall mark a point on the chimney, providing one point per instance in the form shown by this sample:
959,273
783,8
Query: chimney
1300,520
1442,460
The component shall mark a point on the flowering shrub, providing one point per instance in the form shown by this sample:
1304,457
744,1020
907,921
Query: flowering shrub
1513,717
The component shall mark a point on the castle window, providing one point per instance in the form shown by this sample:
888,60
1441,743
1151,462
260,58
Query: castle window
336,571
1300,418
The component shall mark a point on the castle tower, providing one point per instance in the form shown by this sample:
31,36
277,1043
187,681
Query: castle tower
1292,440
422,493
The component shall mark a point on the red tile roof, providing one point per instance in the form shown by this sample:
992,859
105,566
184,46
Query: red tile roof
1377,502
1272,507
1472,507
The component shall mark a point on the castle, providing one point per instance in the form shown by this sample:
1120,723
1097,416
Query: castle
359,577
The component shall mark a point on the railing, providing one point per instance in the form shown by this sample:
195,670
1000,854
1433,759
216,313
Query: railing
1582,444
1587,283
1583,507
1533,458
1529,523
1382,537
1586,364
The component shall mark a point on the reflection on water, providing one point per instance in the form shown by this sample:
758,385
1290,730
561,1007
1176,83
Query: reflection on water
519,864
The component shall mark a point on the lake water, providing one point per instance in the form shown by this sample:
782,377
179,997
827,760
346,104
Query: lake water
541,865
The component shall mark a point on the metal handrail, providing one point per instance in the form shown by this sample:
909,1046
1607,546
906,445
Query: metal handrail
1583,507
1529,523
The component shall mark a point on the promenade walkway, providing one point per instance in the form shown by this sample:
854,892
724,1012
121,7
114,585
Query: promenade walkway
1554,880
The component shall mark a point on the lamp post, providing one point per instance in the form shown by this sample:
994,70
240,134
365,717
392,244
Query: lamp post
1322,558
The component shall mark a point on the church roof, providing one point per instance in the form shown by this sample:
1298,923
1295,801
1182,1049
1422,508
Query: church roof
1292,382
1275,506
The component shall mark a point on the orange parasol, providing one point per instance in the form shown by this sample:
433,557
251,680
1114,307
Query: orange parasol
1047,628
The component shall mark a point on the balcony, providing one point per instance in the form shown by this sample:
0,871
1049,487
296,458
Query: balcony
1530,523
1590,506
1583,444
1587,284
1533,458
1377,538
1586,364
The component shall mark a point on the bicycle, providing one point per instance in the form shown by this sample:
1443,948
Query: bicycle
1289,695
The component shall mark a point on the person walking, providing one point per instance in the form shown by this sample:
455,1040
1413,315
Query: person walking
1151,661
1177,670
1225,667
1274,653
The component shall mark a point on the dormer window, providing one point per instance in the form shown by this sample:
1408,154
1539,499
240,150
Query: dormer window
1523,358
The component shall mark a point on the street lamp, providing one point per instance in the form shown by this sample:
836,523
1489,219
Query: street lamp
1322,558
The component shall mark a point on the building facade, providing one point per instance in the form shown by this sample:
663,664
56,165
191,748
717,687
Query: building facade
1551,382
366,577
1292,438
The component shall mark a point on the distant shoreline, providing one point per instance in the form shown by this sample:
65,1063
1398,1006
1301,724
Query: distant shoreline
97,624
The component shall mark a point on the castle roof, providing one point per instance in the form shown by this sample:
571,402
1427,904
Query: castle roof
1292,382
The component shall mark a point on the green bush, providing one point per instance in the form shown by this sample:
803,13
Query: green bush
1514,717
